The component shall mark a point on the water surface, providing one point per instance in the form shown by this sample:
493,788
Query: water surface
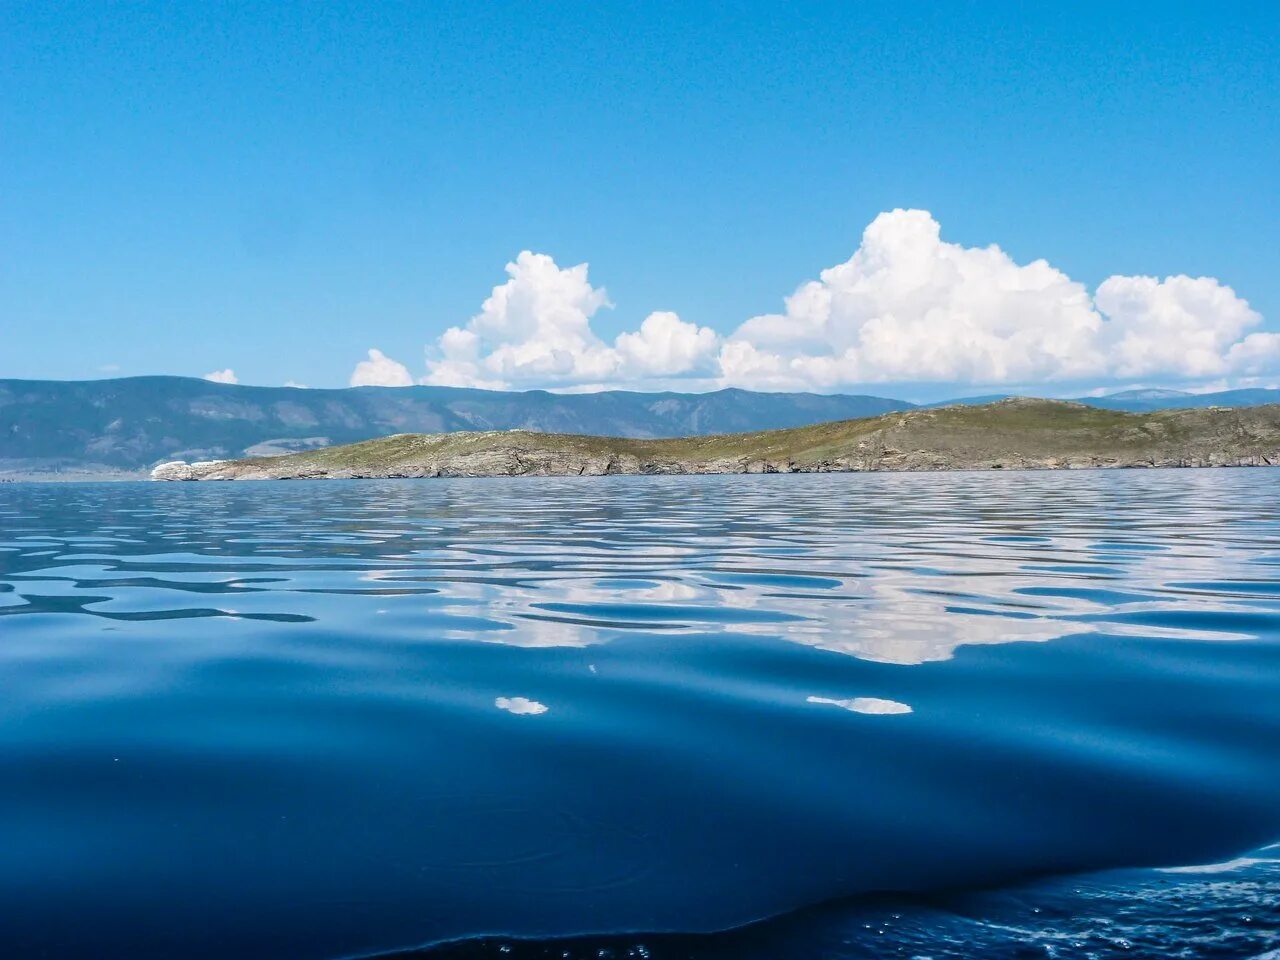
323,719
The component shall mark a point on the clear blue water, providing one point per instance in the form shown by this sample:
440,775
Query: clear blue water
931,715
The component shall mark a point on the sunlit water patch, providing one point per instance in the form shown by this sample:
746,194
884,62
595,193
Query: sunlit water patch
895,714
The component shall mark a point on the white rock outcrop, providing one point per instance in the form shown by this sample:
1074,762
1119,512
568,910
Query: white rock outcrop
181,470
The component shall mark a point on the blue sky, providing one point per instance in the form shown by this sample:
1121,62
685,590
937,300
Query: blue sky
275,189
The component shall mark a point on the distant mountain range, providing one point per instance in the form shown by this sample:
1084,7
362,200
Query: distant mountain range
119,428
1144,401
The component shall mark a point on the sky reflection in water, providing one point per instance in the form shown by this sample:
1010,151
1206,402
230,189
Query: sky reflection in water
310,719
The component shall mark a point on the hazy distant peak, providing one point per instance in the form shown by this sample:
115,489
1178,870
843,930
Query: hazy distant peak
1148,393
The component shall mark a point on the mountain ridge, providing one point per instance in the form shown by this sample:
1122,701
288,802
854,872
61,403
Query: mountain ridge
121,427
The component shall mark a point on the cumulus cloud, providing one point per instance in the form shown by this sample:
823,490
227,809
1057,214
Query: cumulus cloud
222,376
535,330
1256,354
906,307
665,346
1181,326
380,371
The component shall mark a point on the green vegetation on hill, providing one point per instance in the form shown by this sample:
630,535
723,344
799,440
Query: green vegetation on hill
1016,433
123,427
111,427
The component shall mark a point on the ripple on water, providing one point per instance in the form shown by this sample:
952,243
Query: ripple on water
373,714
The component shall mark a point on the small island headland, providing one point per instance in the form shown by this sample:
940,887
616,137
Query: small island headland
1018,433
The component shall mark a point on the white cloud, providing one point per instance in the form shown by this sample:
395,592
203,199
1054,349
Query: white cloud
1255,354
908,306
1181,327
380,371
222,376
295,384
665,346
535,330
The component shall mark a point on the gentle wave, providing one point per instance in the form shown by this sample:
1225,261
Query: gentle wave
1226,910
305,719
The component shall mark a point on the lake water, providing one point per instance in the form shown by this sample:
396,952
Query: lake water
906,715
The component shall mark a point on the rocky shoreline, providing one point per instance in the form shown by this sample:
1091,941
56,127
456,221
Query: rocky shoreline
523,463
1019,434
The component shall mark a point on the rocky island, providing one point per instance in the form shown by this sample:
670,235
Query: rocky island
1017,433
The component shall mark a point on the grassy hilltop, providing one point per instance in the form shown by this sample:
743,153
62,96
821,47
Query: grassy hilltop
120,428
1011,434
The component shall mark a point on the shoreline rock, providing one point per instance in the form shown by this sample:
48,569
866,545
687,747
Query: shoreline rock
1017,434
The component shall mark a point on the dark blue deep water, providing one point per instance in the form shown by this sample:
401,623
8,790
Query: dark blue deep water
902,716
